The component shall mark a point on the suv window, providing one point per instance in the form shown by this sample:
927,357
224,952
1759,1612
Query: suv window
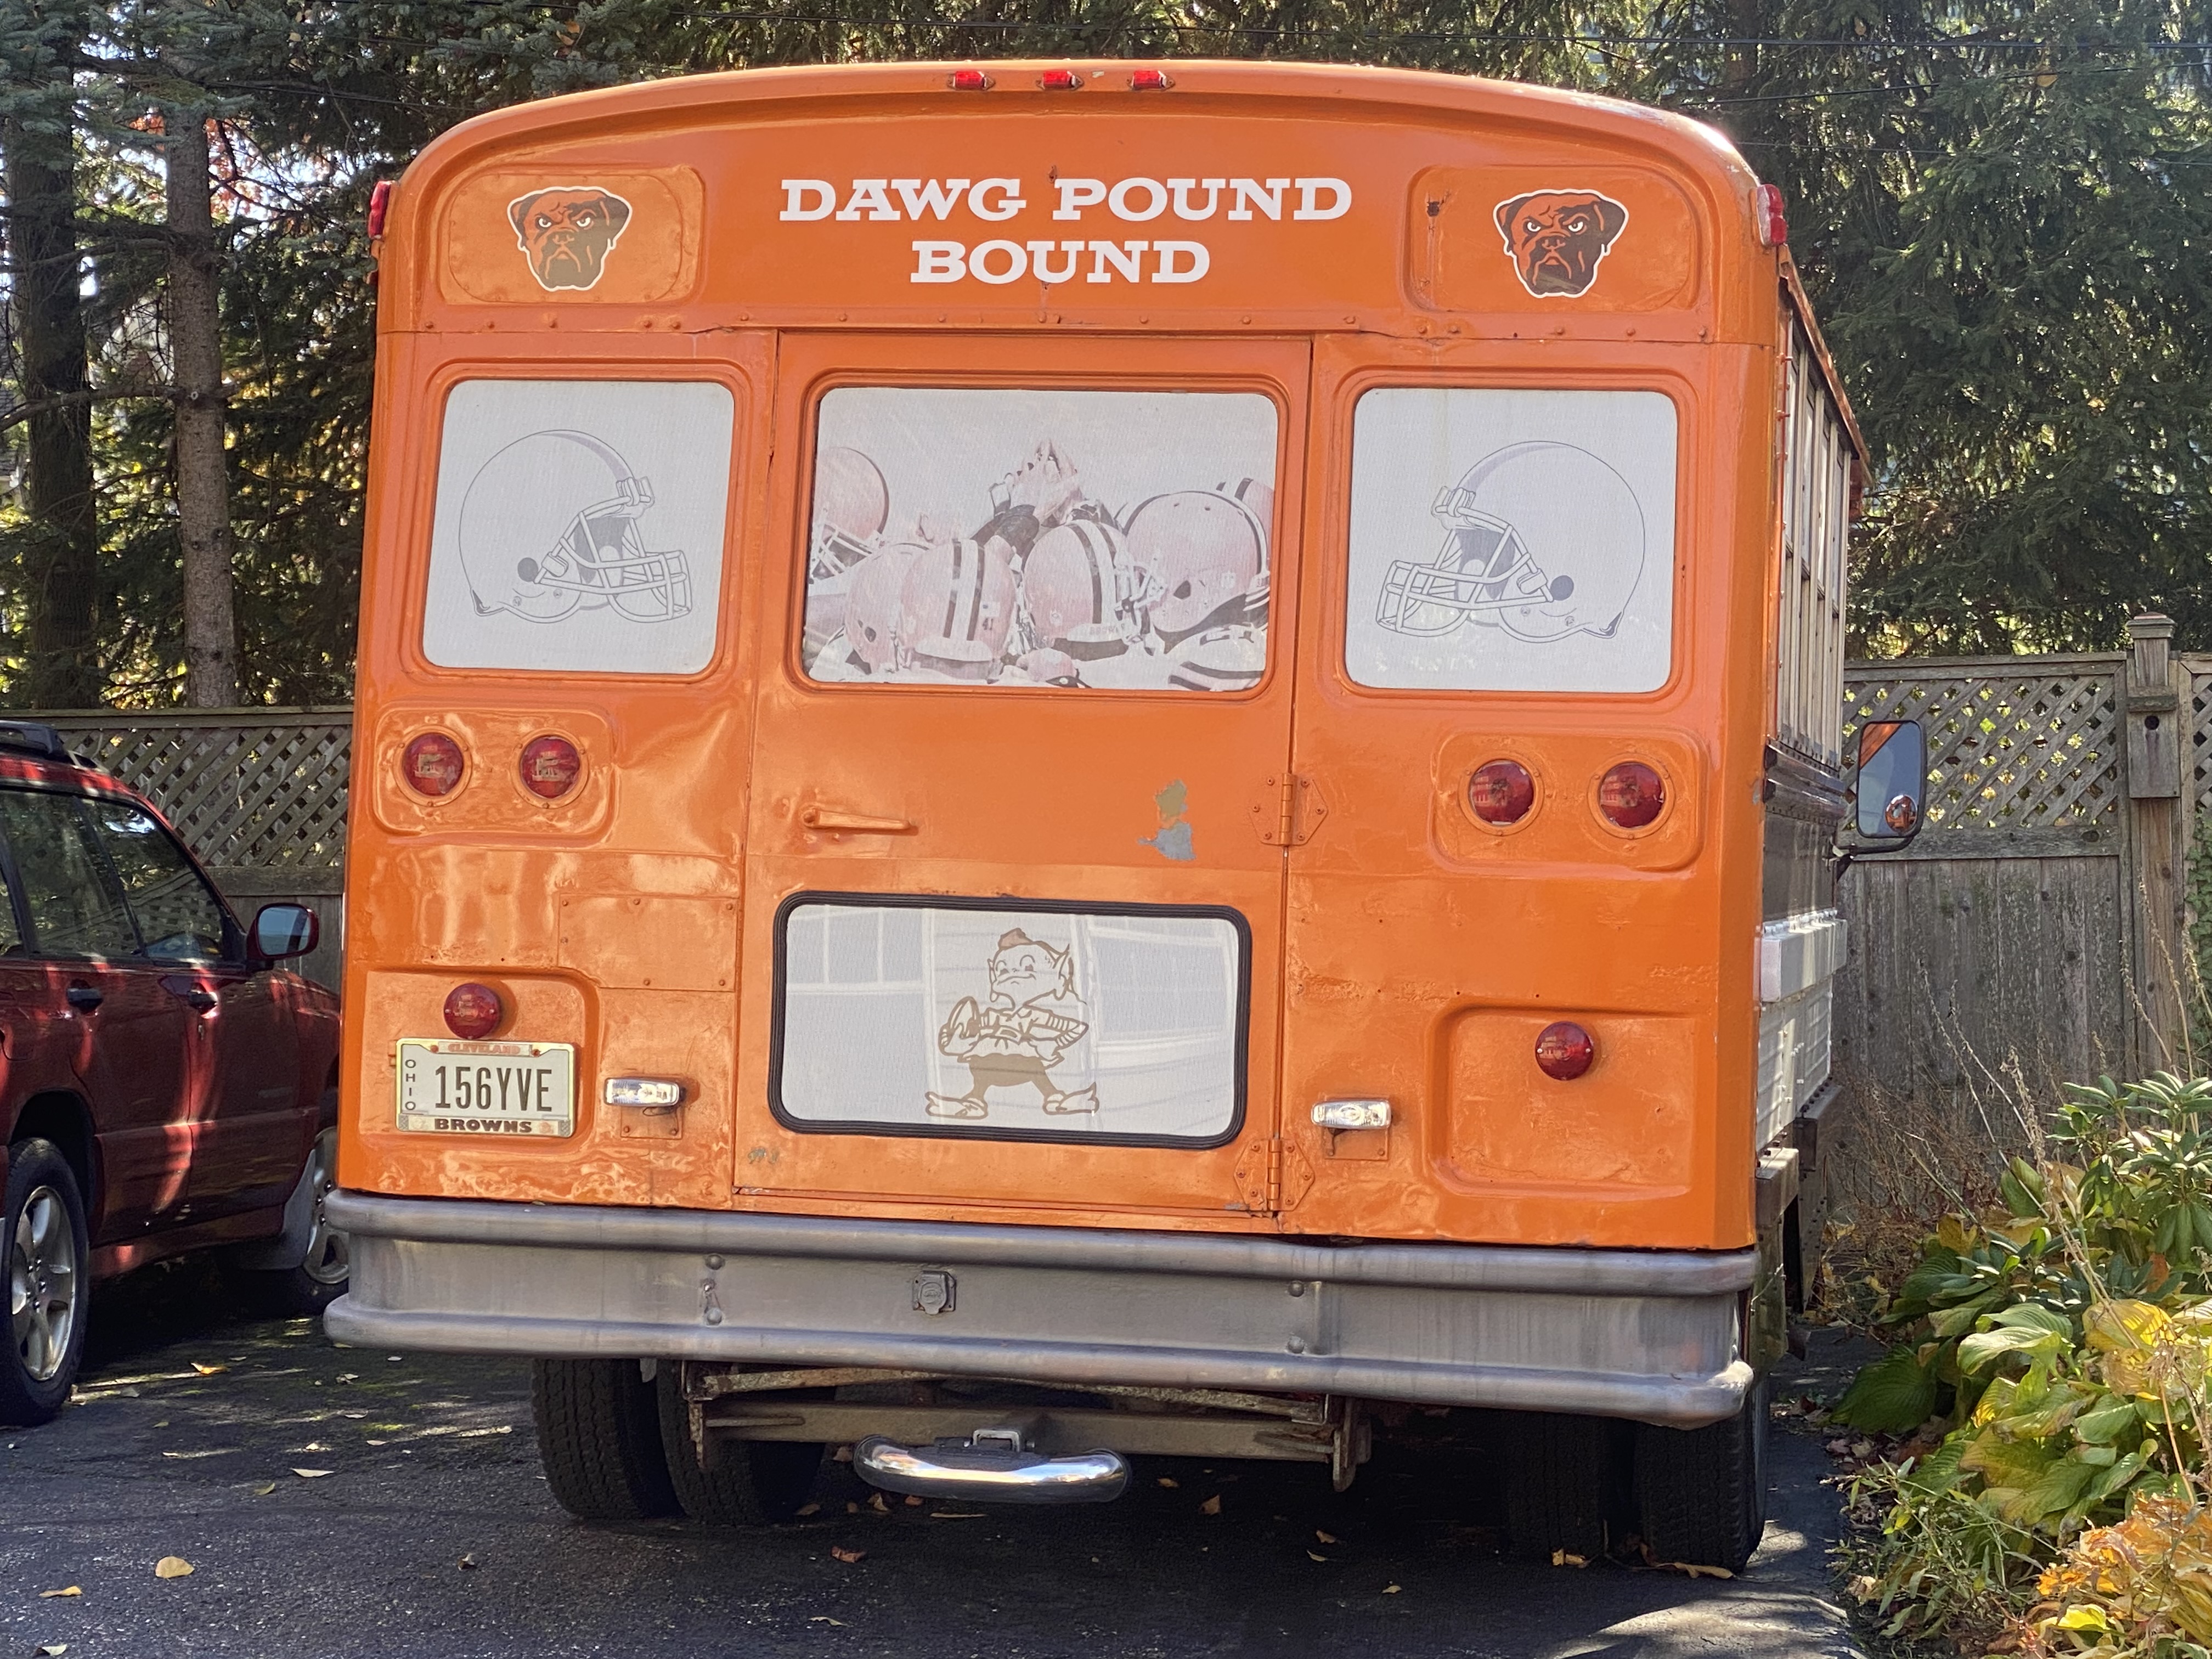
76,907
11,937
178,917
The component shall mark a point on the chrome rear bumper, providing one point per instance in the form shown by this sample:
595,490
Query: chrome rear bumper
1653,1335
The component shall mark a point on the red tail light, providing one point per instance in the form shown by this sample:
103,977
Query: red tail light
473,1010
1501,792
550,767
1773,220
1564,1050
1150,80
970,80
432,764
1061,80
1631,795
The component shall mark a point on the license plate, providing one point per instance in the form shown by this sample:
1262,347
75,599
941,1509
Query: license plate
447,1086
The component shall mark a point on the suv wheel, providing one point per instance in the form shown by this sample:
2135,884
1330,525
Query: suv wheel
598,1437
750,1483
298,1292
42,1233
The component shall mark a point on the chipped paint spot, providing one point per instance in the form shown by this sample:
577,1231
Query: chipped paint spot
1173,838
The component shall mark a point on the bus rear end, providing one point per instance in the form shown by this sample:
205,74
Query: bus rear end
1058,763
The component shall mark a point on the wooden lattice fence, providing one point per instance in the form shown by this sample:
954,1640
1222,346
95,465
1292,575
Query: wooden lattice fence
2036,932
259,794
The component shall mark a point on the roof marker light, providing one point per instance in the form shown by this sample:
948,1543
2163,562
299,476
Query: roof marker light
379,203
1773,220
1061,80
969,80
1151,80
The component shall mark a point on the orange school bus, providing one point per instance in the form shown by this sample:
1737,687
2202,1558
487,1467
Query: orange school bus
1059,762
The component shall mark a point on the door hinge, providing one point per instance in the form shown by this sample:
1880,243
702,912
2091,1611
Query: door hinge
1291,811
1271,1175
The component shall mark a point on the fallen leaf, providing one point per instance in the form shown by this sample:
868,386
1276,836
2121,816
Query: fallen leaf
852,1508
912,1501
208,1371
844,1554
163,1424
54,1649
468,1563
312,1446
348,1377
875,1502
842,1455
1211,1506
1390,1590
313,1475
1569,1559
824,1618
74,1589
1311,1556
173,1566
218,1451
805,1509
265,1489
962,1514
1326,1537
1170,1482
1696,1571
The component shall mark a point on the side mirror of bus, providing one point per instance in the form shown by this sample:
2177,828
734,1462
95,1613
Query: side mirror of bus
284,930
1891,788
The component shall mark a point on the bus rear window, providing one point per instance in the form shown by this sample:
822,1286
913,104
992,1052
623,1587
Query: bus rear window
1511,540
1107,540
579,525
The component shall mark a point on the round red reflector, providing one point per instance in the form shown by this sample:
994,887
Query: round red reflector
473,1010
1501,792
1631,795
1564,1050
550,767
432,763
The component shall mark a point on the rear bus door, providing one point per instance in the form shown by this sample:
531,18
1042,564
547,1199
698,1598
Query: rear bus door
1014,896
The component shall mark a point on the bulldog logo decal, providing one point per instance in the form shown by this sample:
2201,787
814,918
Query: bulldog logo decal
1557,237
567,231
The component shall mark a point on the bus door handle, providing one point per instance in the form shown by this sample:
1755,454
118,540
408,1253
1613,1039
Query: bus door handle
853,824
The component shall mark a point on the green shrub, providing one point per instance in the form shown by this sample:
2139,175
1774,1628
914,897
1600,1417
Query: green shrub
2051,1361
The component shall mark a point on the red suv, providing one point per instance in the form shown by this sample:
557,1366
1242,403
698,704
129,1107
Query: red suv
163,1086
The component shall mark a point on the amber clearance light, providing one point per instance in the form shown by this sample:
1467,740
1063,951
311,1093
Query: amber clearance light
1564,1050
473,1010
550,767
432,764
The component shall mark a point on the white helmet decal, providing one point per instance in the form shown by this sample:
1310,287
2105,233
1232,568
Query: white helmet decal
1542,540
549,527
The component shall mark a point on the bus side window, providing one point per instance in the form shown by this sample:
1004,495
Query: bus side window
579,525
1511,540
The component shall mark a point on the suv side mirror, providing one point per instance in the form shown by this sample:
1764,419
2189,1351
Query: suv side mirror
285,930
1891,786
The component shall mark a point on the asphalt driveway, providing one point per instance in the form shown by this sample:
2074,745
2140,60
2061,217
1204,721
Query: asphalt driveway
343,1501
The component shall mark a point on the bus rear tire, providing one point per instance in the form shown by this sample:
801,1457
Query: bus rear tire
1560,1475
752,1483
1702,1492
598,1437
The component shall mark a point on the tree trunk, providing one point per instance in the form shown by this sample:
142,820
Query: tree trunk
61,561
203,475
